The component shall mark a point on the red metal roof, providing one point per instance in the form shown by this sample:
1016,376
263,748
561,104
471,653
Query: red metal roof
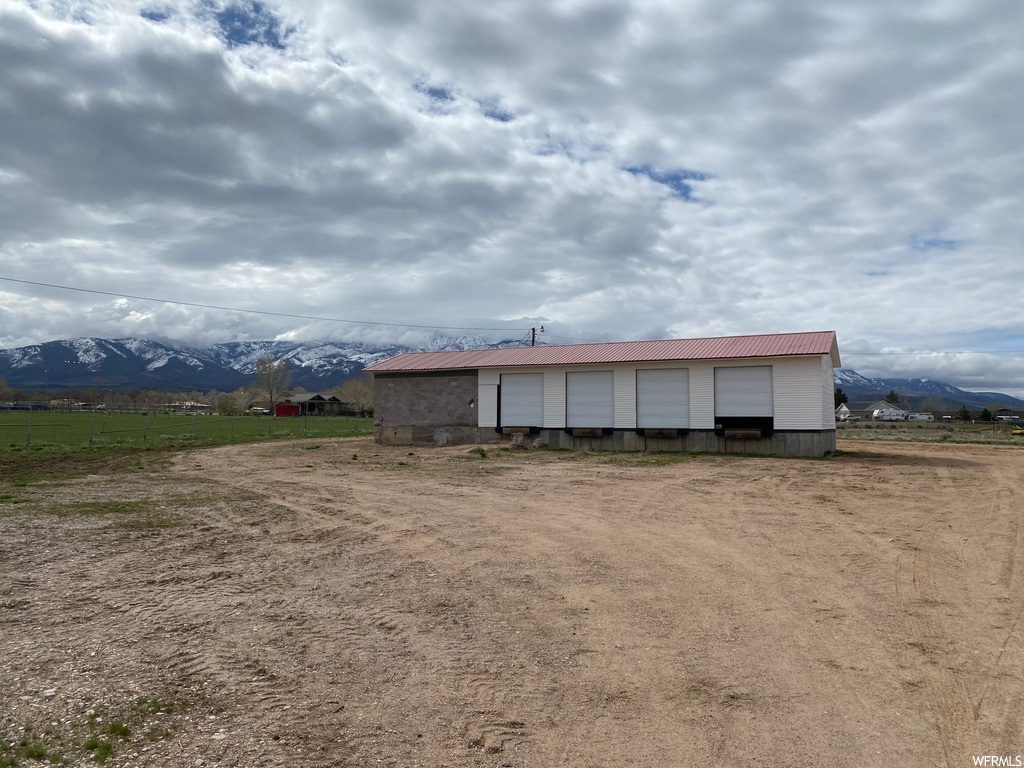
726,347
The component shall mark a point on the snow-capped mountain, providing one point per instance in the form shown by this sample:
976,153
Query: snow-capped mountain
124,363
937,395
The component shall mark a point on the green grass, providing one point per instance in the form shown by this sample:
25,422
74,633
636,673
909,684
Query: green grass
58,434
97,738
937,432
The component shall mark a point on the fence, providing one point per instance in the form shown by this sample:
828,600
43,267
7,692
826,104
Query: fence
74,429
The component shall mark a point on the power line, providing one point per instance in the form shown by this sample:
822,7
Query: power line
846,352
258,311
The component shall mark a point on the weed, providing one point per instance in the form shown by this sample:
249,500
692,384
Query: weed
482,451
158,733
104,750
355,456
119,729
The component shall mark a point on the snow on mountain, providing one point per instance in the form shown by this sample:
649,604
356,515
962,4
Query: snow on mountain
22,357
918,392
130,362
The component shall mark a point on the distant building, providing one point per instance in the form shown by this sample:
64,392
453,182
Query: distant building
312,404
866,409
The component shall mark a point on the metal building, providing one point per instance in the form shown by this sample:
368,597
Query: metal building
746,394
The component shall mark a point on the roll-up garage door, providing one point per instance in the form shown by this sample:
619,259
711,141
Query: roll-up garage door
590,399
522,399
743,391
663,398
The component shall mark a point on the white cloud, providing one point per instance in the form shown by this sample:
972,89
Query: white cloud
457,163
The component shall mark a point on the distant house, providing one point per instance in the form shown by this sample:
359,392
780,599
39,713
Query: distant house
312,404
842,410
866,409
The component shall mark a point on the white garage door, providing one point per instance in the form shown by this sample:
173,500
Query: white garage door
744,391
522,399
590,399
663,398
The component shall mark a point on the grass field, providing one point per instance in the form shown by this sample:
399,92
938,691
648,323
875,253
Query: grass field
40,435
989,434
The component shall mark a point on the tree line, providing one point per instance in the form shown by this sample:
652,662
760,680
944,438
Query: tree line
270,387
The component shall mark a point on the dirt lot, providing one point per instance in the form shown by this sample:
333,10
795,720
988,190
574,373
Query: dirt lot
338,603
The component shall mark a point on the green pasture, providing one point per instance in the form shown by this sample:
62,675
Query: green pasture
43,434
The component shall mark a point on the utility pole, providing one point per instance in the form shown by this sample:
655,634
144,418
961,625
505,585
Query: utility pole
71,382
533,335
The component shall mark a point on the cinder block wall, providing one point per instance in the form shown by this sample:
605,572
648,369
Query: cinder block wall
425,400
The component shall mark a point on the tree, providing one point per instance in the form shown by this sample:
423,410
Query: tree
985,415
963,414
893,397
358,393
841,398
274,380
243,397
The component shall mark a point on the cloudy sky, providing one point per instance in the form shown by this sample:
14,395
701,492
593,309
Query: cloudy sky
612,170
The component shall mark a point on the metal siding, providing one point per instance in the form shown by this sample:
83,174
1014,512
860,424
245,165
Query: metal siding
522,399
723,348
702,396
797,393
590,399
743,391
663,398
828,400
554,398
487,405
625,396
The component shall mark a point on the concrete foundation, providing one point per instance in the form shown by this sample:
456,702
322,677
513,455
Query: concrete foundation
696,441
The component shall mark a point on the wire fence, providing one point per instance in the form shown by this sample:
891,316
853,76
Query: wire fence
35,428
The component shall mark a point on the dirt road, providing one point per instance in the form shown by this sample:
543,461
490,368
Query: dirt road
339,603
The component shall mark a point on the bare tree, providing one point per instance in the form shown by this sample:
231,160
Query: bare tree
358,393
274,380
244,397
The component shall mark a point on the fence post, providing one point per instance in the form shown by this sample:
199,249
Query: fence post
145,427
92,425
193,425
232,427
270,423
28,438
303,425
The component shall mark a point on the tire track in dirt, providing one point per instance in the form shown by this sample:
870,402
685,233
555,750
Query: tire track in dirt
953,709
1008,712
956,715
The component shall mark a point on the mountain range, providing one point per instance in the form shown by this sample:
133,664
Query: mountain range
124,363
921,394
121,364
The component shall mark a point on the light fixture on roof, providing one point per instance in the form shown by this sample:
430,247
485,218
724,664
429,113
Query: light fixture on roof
533,335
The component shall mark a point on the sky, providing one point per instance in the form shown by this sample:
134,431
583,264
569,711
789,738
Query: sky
634,169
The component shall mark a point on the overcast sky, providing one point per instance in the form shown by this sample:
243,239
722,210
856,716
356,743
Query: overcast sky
612,170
